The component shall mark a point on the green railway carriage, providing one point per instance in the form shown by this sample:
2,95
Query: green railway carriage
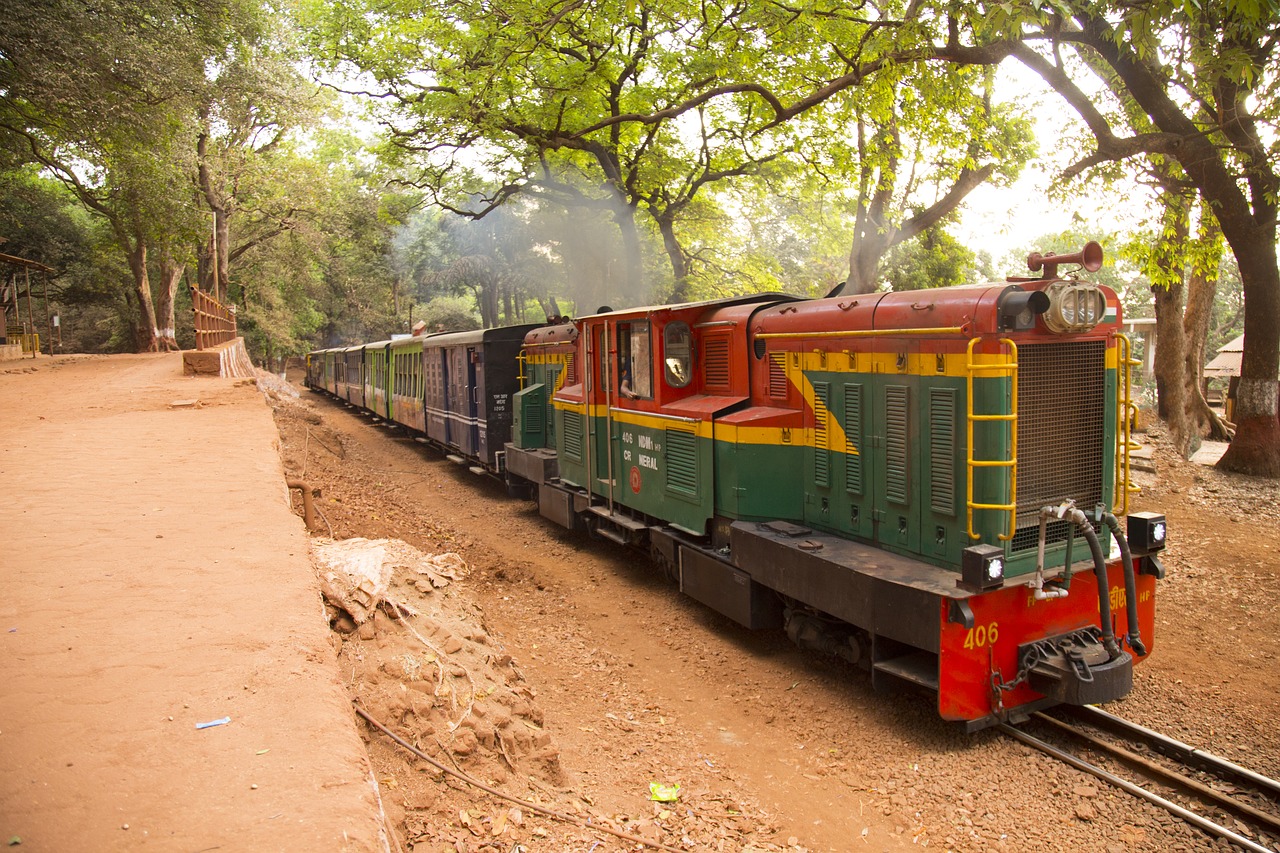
406,382
374,378
349,364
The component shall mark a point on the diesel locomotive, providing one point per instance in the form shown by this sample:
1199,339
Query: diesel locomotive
931,484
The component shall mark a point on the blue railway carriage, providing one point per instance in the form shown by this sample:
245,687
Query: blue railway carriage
470,378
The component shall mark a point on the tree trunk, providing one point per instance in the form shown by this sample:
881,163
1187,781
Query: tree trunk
1169,367
1171,349
868,250
147,336
170,275
1202,286
675,254
214,271
631,256
1256,446
872,233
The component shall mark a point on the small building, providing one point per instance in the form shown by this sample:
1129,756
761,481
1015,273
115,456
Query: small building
1226,365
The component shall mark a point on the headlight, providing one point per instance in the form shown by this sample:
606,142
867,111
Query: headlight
1148,532
1074,307
982,567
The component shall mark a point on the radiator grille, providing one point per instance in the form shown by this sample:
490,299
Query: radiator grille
1062,430
682,462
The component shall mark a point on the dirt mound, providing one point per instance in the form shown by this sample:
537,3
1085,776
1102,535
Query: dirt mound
425,667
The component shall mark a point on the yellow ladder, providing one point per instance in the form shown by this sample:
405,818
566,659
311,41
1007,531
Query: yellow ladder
1125,410
1008,367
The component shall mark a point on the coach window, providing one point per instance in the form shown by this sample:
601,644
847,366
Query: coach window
677,354
635,362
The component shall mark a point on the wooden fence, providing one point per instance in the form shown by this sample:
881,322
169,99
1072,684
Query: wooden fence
215,322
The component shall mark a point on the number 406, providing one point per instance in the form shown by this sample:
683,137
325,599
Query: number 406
982,635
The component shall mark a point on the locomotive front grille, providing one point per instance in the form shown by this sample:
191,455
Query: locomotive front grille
1062,432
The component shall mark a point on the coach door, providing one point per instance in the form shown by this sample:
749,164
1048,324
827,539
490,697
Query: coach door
458,420
598,402
479,405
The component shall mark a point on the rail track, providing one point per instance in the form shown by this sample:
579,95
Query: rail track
1248,797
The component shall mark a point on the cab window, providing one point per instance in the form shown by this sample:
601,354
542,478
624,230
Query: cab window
635,362
677,354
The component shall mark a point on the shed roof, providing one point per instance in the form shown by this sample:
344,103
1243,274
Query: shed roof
1227,361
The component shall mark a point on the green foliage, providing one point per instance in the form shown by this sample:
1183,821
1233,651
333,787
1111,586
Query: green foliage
448,314
652,106
936,259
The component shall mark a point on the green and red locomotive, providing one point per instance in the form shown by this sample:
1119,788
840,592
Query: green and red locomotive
921,482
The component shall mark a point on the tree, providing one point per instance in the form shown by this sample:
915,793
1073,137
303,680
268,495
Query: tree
654,104
98,95
1203,77
254,99
941,138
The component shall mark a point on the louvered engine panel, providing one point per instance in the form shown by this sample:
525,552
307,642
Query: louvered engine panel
778,375
534,412
895,442
821,434
682,462
853,435
942,450
573,436
715,364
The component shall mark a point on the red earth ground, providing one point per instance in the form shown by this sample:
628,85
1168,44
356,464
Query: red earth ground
561,671
774,748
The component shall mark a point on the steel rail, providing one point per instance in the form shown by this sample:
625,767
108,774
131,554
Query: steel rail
1177,749
1173,777
1137,791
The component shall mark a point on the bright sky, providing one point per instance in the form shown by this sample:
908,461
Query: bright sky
1004,219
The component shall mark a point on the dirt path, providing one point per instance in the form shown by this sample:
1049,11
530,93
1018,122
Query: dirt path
153,579
780,749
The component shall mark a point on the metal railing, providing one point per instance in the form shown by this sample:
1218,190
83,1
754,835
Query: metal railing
215,322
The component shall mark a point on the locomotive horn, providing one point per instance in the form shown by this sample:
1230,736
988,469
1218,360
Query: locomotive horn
1090,257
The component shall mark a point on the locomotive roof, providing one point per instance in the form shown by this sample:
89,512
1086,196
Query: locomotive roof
709,303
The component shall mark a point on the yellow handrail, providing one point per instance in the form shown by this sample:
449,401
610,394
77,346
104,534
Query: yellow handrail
1125,410
1010,367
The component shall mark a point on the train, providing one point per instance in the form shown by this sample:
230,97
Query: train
933,485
